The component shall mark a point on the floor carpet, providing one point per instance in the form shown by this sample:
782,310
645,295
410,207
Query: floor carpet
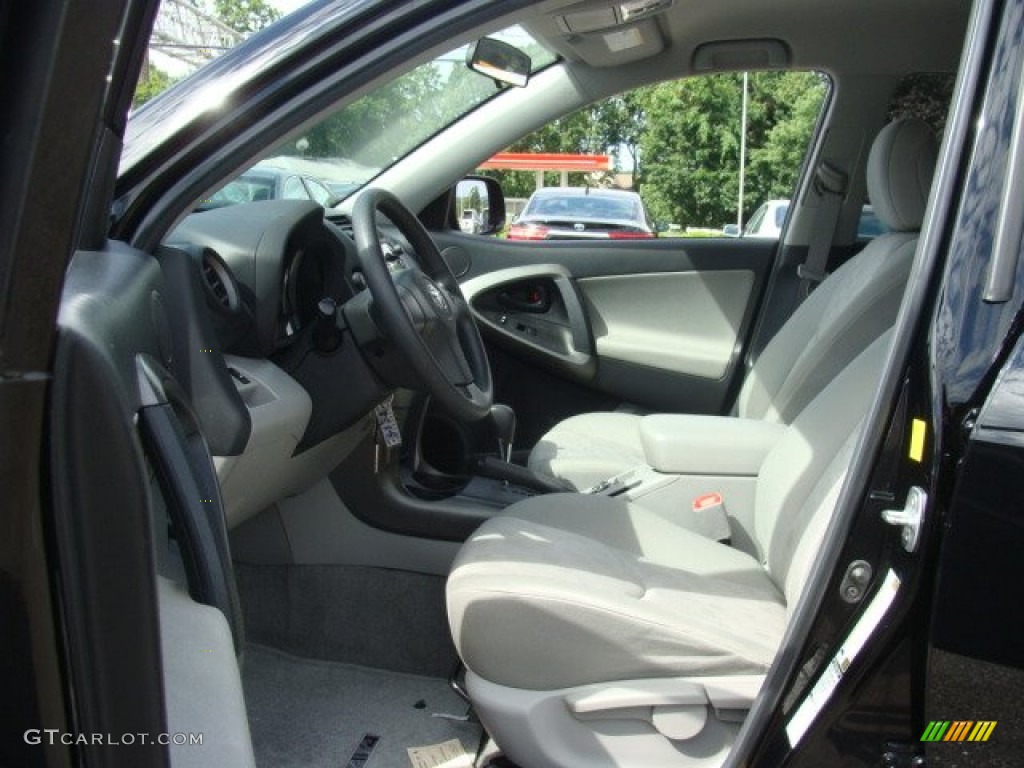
316,713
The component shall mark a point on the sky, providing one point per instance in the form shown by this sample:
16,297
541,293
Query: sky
286,6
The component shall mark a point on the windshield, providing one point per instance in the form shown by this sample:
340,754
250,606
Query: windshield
364,138
356,143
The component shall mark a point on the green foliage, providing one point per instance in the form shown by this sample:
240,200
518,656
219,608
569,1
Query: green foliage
245,16
691,143
600,129
151,82
690,149
926,96
776,157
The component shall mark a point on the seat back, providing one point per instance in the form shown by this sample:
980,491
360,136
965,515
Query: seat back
801,477
860,300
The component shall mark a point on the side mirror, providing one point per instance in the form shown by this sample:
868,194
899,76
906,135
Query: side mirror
500,61
478,206
731,230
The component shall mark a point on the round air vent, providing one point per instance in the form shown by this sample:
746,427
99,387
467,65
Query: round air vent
220,283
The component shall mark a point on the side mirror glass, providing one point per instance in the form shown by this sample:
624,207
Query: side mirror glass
731,230
479,206
499,61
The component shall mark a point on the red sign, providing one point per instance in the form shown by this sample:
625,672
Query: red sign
548,161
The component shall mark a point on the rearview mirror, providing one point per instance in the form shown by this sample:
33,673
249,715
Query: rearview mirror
500,61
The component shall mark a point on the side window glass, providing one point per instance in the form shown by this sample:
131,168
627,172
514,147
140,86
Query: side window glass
687,158
925,96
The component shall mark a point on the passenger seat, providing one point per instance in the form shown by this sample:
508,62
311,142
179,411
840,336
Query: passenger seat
598,633
844,315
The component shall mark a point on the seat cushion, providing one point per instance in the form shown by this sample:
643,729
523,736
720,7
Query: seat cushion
586,449
615,592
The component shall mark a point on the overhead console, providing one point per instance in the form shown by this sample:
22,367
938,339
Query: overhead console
607,34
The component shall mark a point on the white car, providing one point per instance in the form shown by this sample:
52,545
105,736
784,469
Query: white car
767,220
470,222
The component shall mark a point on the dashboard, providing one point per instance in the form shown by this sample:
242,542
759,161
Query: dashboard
285,257
258,288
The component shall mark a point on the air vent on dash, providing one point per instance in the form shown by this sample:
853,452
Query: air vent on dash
219,281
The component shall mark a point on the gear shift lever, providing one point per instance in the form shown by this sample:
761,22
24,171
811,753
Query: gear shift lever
501,468
504,420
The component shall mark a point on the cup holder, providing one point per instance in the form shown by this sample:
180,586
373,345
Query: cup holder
444,447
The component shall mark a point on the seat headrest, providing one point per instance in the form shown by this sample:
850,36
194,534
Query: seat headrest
900,169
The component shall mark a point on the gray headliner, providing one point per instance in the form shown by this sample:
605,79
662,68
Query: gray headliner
866,36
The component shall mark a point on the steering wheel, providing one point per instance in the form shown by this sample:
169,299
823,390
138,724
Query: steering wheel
423,310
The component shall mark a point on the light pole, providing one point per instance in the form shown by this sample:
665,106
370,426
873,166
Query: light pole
743,154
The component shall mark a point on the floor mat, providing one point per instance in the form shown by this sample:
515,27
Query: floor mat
304,712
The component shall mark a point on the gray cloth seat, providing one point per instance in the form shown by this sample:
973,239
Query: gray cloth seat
828,330
569,590
599,633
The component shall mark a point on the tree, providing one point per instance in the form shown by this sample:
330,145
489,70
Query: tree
151,82
245,16
689,138
401,113
775,160
690,149
926,96
599,129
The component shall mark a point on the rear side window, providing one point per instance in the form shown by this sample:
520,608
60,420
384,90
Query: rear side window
925,96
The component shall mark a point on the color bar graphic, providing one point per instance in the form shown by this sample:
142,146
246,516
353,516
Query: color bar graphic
958,730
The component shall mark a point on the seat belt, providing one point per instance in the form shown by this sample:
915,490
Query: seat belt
830,185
